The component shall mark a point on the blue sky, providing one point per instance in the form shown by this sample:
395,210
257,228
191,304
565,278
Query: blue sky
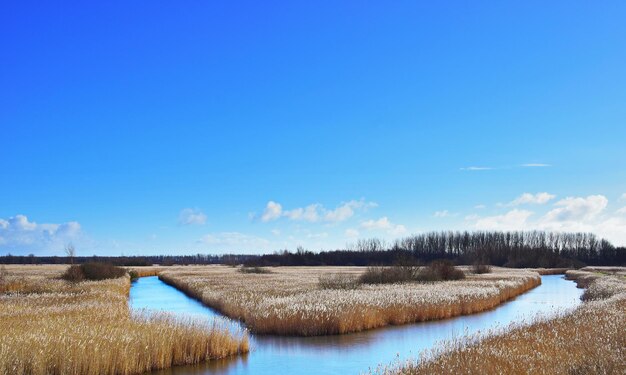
144,127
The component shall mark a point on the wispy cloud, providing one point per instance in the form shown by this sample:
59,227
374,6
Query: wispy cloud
475,168
234,241
384,224
444,213
528,198
190,216
316,212
488,168
351,233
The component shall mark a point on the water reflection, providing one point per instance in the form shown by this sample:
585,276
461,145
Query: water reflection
352,353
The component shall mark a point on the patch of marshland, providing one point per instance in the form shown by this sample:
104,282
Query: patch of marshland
298,301
588,340
52,326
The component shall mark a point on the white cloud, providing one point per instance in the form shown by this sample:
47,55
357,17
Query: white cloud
577,209
443,213
572,214
316,212
536,165
384,224
275,232
528,198
347,209
352,233
623,197
189,216
512,220
308,213
272,211
480,206
19,234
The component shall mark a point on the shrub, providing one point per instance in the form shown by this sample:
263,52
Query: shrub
74,274
254,270
480,268
442,269
388,275
134,275
93,271
338,281
101,271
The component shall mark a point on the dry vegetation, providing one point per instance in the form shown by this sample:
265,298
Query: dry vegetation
304,300
588,340
52,326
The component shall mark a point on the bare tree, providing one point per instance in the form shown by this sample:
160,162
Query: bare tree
70,251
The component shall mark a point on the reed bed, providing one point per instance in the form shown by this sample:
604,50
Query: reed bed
51,326
587,340
291,301
144,271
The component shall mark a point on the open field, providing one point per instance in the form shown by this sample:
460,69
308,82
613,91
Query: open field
290,300
589,340
51,326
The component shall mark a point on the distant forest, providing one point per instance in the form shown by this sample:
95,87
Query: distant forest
508,249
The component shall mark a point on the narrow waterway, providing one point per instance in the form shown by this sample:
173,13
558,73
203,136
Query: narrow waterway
353,353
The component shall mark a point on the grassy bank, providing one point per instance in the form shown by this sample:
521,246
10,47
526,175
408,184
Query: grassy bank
292,301
589,340
52,326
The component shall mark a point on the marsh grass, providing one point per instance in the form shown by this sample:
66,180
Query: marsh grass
438,270
51,326
587,340
291,301
339,281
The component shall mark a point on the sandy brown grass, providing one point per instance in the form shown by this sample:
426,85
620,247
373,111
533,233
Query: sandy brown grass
50,326
589,340
291,301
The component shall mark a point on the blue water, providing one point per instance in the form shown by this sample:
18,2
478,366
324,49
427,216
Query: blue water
352,353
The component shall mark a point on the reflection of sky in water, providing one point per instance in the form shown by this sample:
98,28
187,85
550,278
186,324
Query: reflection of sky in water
352,353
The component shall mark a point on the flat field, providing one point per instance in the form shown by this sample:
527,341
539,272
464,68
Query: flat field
51,326
290,300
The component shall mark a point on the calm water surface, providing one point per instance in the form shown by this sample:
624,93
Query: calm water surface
353,353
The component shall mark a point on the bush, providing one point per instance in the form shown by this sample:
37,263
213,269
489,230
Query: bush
444,269
74,274
93,271
254,270
133,275
338,281
481,268
388,275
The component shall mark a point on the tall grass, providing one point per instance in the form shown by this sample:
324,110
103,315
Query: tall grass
292,301
589,340
51,326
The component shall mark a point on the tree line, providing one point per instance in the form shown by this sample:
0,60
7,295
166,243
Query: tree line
509,249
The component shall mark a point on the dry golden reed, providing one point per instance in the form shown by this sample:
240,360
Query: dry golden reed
589,340
50,326
290,300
